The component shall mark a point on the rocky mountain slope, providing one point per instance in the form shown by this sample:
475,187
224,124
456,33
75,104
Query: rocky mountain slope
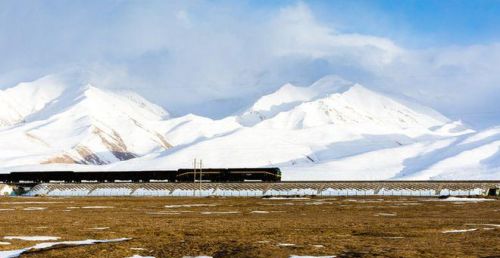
51,121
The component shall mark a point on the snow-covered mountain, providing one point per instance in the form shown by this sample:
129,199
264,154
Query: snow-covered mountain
333,129
332,101
51,121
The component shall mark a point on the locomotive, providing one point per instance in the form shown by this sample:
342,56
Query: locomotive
272,174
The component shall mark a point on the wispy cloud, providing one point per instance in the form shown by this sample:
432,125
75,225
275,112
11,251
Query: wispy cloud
183,54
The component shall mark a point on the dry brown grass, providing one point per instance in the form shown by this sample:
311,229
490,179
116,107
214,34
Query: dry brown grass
346,227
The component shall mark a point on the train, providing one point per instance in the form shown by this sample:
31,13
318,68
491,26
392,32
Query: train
272,174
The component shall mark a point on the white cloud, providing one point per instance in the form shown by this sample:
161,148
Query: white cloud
296,31
183,54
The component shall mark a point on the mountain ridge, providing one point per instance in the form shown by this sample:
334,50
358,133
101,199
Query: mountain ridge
332,129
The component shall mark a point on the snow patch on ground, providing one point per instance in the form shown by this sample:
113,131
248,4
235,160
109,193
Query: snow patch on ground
285,244
6,190
460,230
35,208
317,203
260,212
50,245
163,213
385,214
32,238
489,225
99,228
190,205
279,204
97,207
219,212
463,199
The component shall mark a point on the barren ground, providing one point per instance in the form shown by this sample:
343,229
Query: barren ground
253,227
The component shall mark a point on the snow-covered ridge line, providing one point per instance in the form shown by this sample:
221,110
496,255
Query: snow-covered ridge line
333,129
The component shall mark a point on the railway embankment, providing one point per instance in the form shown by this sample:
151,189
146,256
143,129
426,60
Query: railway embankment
263,189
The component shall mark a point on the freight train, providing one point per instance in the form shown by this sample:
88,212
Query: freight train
180,175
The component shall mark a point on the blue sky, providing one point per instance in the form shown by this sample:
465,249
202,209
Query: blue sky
435,22
419,23
190,55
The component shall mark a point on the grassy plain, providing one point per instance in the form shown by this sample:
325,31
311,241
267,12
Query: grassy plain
254,227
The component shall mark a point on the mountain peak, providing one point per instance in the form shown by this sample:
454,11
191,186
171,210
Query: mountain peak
333,100
61,120
331,84
289,95
52,94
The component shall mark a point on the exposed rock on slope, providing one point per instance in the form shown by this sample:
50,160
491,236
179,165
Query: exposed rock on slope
79,123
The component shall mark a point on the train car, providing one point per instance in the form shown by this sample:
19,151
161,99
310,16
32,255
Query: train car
208,174
38,177
4,177
262,174
180,175
229,174
133,176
